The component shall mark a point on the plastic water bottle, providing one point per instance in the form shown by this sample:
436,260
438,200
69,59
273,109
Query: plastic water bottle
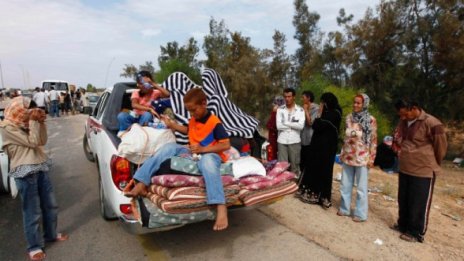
145,84
157,124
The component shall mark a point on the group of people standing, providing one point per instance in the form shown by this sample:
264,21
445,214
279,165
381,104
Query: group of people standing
55,101
307,137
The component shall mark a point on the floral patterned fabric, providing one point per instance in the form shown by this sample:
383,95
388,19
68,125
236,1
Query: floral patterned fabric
181,193
248,180
161,219
190,166
278,168
185,205
271,181
176,180
355,152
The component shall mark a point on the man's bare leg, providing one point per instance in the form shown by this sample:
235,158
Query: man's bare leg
221,218
139,190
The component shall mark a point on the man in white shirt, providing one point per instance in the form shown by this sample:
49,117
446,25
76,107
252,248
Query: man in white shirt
290,119
54,101
40,98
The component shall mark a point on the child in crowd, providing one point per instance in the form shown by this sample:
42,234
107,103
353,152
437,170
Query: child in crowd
208,138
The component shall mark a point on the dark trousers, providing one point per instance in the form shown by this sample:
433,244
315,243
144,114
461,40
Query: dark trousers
414,200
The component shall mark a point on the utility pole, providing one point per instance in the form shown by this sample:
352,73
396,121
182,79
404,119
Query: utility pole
1,75
108,71
24,75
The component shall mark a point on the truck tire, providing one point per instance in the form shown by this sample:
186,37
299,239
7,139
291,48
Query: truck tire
88,153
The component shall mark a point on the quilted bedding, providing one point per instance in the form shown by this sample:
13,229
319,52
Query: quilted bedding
176,180
252,197
181,199
190,166
159,218
190,199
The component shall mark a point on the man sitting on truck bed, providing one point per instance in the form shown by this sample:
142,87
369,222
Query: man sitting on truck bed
208,139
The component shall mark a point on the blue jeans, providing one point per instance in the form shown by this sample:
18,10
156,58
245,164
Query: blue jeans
348,177
54,108
38,200
126,120
209,165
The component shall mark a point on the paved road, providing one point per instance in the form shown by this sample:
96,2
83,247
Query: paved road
251,236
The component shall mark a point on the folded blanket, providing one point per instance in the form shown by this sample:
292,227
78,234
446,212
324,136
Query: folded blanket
252,197
190,166
181,193
158,218
187,199
176,180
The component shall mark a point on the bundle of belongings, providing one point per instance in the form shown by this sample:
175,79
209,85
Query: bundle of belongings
177,195
178,199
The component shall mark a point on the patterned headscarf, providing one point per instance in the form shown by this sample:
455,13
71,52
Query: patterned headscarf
364,119
16,112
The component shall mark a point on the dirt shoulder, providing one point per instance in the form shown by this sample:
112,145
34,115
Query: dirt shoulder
374,239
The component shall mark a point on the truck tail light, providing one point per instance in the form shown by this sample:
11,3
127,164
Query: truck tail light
120,172
125,209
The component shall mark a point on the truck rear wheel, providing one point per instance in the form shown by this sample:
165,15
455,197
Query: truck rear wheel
105,210
88,153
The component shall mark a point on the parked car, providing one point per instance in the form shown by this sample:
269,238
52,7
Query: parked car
7,184
92,100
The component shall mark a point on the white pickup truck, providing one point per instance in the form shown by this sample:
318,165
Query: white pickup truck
100,144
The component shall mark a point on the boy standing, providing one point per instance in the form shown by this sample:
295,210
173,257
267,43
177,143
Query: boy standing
208,138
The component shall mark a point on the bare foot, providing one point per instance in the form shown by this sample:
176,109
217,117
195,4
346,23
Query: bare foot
221,218
139,190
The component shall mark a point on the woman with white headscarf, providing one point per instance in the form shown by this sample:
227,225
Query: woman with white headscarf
24,134
358,155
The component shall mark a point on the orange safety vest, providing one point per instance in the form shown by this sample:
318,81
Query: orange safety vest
203,133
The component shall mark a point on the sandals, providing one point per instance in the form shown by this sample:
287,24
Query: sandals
410,238
299,193
37,254
309,197
358,219
397,228
325,203
59,238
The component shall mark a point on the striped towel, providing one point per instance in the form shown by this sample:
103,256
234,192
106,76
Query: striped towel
236,122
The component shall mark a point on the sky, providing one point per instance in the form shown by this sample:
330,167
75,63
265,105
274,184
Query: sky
90,41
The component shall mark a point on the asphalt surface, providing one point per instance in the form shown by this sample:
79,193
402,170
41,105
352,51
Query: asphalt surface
251,235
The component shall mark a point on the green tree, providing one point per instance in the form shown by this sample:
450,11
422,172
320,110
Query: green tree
90,88
186,54
246,77
410,48
176,65
216,46
128,71
333,52
308,35
280,65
